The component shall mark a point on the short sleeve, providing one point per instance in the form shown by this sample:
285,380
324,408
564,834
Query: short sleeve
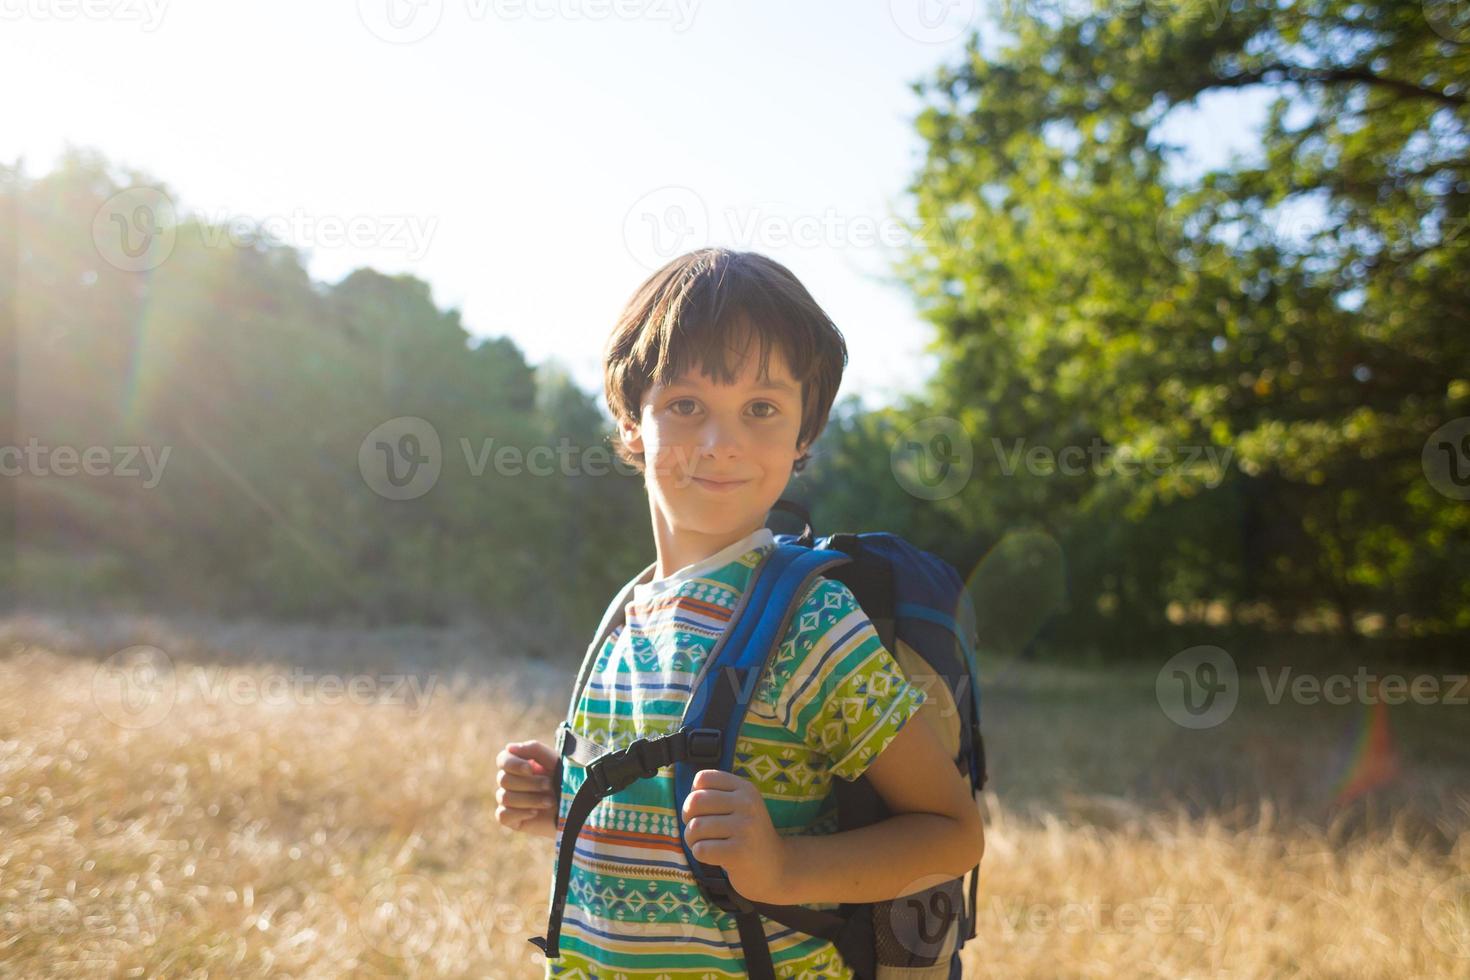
836,686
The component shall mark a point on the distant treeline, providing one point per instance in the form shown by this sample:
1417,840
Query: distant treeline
228,402
1149,394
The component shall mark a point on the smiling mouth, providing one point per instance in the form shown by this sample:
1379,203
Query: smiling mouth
719,485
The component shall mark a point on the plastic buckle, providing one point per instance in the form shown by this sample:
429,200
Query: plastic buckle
619,769
704,745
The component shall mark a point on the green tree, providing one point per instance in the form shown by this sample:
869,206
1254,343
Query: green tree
1304,311
263,386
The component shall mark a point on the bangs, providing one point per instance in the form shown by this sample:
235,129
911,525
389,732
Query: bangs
716,321
720,352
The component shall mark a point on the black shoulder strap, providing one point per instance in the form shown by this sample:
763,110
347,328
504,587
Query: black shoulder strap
610,773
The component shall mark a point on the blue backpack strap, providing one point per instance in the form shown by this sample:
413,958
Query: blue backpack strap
720,700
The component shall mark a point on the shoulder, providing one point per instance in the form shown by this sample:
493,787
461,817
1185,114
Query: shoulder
825,605
828,599
828,620
835,685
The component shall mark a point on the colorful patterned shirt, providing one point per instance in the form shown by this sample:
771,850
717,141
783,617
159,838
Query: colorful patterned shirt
830,701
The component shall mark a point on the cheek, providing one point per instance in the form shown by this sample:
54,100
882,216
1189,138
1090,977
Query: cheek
665,451
652,434
780,440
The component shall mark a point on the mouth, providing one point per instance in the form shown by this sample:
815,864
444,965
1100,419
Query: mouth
720,486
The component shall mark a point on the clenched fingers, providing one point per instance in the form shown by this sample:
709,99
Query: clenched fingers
530,792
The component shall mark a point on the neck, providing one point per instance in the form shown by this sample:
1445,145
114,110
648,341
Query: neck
678,547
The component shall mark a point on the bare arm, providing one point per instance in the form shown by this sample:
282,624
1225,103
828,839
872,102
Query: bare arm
935,830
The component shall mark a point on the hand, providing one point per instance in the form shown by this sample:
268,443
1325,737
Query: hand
726,823
527,800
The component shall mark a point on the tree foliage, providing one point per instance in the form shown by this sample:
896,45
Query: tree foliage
262,385
1301,313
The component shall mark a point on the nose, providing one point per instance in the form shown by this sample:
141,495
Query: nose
720,437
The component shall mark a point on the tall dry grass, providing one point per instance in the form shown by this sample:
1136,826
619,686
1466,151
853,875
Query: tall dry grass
248,827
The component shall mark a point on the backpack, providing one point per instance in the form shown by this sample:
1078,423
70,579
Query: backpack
924,616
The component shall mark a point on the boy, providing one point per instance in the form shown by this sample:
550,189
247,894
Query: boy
721,373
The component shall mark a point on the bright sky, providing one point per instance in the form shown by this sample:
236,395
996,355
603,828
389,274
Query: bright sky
533,160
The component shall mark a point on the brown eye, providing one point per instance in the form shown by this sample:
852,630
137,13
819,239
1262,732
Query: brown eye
774,410
680,401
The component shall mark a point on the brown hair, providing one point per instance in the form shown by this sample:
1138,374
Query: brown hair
694,307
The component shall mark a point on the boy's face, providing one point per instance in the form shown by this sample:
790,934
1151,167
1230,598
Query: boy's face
716,457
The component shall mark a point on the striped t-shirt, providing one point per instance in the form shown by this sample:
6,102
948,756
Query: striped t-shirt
832,698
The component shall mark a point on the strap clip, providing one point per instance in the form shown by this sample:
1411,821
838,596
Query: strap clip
619,769
703,745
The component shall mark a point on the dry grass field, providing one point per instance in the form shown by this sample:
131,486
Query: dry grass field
192,799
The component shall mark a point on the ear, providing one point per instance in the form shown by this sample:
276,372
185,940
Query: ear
631,435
